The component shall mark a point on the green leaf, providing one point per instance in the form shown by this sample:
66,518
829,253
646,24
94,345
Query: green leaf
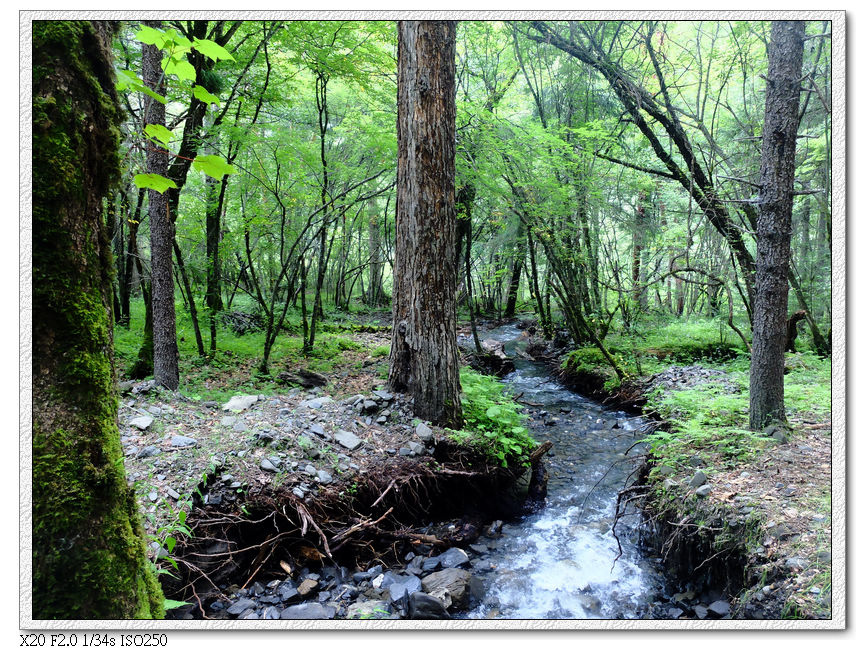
170,543
213,166
154,182
212,50
180,67
127,79
201,94
159,132
173,604
150,36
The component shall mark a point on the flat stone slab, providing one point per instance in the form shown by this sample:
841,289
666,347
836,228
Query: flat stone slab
183,441
141,422
347,440
240,402
315,403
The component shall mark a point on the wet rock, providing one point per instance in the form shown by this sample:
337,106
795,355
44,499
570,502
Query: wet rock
400,586
240,402
451,586
425,607
453,557
241,606
142,422
701,612
347,439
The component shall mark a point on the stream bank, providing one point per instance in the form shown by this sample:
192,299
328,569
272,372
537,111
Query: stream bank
417,528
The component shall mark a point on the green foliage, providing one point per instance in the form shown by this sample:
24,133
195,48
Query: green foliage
493,422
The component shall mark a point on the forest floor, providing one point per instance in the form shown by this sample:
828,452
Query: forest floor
183,448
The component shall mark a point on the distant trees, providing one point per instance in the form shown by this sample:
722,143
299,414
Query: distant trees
774,222
424,358
89,559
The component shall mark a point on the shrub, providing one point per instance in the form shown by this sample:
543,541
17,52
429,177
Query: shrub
493,421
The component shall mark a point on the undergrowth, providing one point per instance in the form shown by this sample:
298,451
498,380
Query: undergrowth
493,420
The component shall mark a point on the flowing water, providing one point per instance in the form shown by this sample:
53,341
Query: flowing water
560,563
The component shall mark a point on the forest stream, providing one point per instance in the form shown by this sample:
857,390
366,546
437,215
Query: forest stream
563,561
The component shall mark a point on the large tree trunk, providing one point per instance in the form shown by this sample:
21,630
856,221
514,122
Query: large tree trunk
89,560
424,357
165,354
774,223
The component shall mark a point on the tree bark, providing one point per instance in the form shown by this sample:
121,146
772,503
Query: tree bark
165,354
89,558
424,356
774,223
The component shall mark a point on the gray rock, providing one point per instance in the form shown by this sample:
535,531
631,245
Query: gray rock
703,490
172,493
310,470
796,563
271,613
417,447
183,441
347,440
296,491
666,470
383,395
268,466
308,611
453,557
701,612
315,403
451,586
431,563
318,430
228,420
240,402
405,451
698,479
674,612
369,610
400,586
324,477
719,608
148,451
369,406
142,422
241,606
425,607
239,426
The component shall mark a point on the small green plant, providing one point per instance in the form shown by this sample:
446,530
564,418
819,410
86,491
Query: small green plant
493,422
380,351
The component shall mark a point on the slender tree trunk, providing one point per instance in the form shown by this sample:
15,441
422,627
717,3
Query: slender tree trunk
213,226
165,354
777,170
424,355
89,558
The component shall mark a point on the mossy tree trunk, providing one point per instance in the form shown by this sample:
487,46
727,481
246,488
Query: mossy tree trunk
89,559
